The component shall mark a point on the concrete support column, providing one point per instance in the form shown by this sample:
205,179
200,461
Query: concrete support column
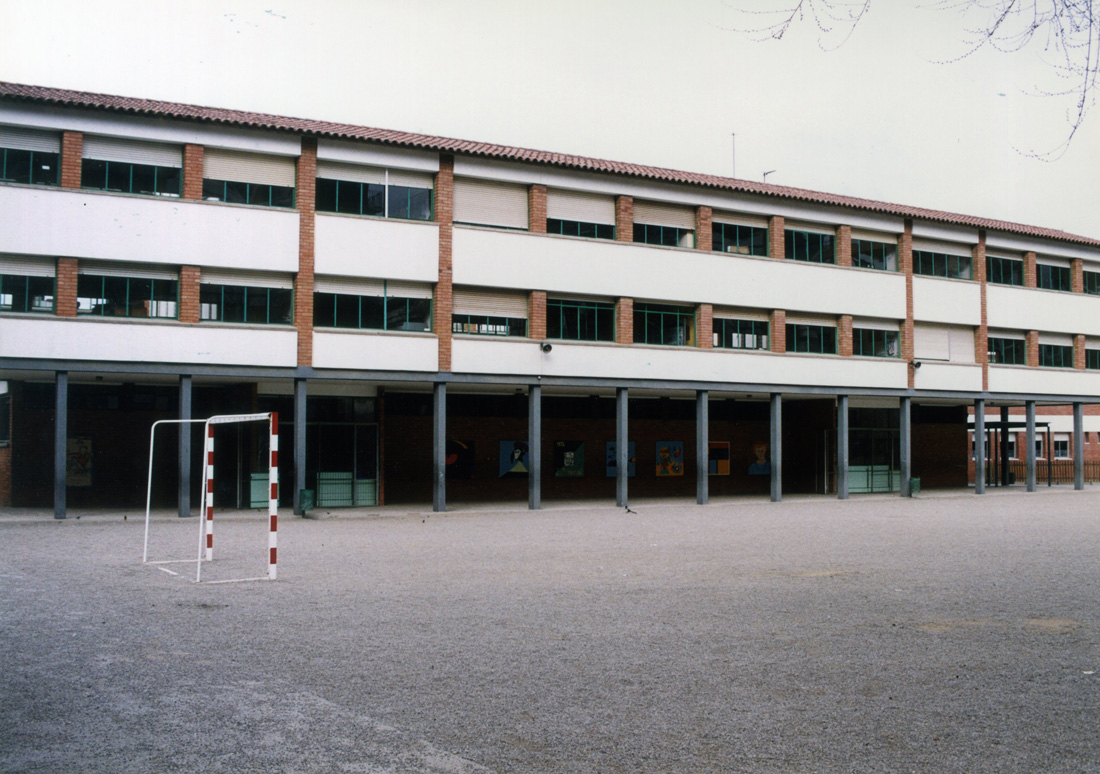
1004,446
534,444
439,447
60,442
1030,409
299,443
622,446
979,446
842,447
702,447
905,441
184,500
777,446
1078,446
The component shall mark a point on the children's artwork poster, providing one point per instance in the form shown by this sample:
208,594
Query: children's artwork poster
670,458
78,462
515,460
569,459
718,458
762,466
460,459
612,462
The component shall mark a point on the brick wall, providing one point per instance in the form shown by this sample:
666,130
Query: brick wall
303,282
1030,278
192,171
777,324
536,209
705,321
624,321
66,287
1077,275
624,218
905,264
1079,351
536,315
72,150
981,333
1033,349
843,245
777,237
443,302
844,335
189,293
704,228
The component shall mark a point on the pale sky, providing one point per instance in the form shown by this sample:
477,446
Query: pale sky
660,82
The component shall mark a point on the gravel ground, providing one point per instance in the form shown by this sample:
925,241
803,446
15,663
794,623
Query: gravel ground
943,634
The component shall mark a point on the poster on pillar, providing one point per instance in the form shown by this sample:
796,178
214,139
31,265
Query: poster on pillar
670,458
612,463
515,459
718,458
569,459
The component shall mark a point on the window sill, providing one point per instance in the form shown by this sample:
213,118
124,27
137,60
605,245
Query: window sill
358,331
112,192
382,218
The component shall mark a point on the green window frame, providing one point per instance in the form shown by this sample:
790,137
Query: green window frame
1004,271
813,339
809,246
664,324
1092,282
30,167
383,313
374,199
738,239
101,295
932,264
246,304
129,177
1050,277
256,194
869,254
22,293
1004,351
666,236
1092,359
873,342
580,228
740,334
1056,356
571,320
488,325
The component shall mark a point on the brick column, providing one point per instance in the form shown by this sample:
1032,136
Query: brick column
777,326
704,228
843,245
1033,349
72,152
1030,278
845,339
536,314
303,281
66,287
624,321
536,209
189,293
981,333
1079,351
905,263
624,220
443,304
777,231
705,325
1077,275
192,171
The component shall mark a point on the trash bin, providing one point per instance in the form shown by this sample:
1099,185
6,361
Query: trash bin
914,486
306,500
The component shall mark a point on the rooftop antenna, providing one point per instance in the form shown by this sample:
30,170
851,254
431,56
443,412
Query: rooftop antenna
734,136
767,173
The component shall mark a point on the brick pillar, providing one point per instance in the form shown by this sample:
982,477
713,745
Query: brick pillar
843,245
192,171
705,325
1033,349
1079,352
981,333
1077,275
536,314
1030,277
303,281
536,209
72,151
624,321
777,231
704,228
66,287
777,325
189,293
624,220
443,304
905,263
845,340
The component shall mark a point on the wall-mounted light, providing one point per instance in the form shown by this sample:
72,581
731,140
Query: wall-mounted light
546,346
915,364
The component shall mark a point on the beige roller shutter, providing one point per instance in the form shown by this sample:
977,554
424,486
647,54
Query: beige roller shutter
489,203
18,138
875,324
242,167
353,173
932,342
408,289
122,269
256,279
657,214
495,303
730,313
352,286
1058,339
132,151
583,207
799,318
411,179
739,219
28,267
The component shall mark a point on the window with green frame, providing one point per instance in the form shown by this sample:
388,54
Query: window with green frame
1056,356
932,264
1092,282
128,177
809,246
1007,351
1004,271
743,240
111,296
374,199
868,254
580,320
667,236
30,166
1050,277
579,228
871,342
20,293
384,312
258,194
740,334
488,325
815,339
1092,359
246,304
664,324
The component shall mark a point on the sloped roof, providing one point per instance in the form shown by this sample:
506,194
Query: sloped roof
184,112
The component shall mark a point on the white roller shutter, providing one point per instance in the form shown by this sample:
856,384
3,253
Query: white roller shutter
1062,263
932,342
132,151
583,207
123,269
408,289
28,267
875,236
410,179
878,325
219,164
657,214
798,318
730,313
739,219
810,228
490,203
18,138
962,344
352,286
495,303
256,279
1057,339
353,173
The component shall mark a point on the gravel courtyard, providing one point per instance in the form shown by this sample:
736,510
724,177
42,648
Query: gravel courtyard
939,634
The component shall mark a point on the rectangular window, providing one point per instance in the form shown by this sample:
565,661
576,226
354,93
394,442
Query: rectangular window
29,156
579,229
126,177
488,325
931,264
1092,282
664,324
1053,277
816,339
1007,351
1039,448
740,334
20,293
1092,359
867,254
248,178
871,342
580,320
385,312
1004,271
1011,447
246,304
1055,356
376,199
115,296
666,236
809,246
490,203
743,240
1061,445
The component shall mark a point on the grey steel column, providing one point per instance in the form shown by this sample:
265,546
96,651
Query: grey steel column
777,446
299,443
1030,408
702,447
439,447
905,441
1004,446
979,446
60,442
842,447
534,443
622,457
1078,446
185,447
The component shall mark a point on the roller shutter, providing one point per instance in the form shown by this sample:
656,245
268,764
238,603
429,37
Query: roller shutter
738,219
490,203
254,168
122,269
132,151
583,207
27,267
932,342
657,214
353,173
256,279
18,138
494,303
